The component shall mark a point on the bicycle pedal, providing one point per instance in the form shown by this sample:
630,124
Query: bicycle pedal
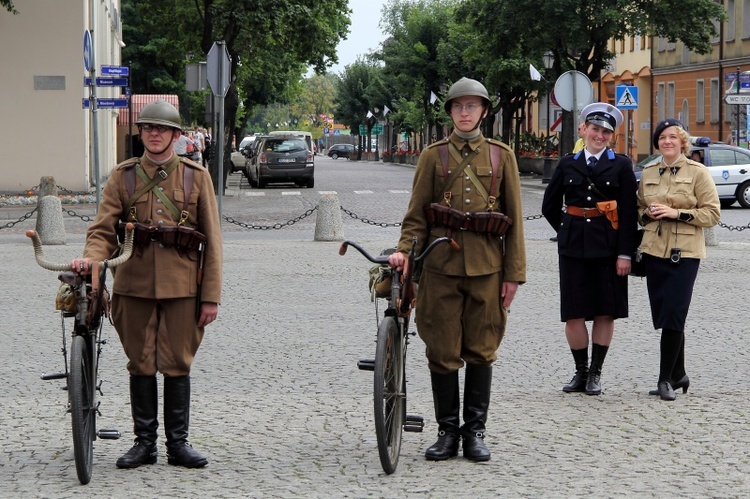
366,364
108,434
48,376
414,423
413,428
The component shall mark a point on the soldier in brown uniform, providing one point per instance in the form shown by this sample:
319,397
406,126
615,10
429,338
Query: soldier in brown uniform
159,304
464,294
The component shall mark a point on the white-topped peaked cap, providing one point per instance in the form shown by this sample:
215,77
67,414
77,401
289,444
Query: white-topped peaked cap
602,114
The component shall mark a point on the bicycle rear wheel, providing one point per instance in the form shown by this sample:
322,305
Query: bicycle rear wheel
81,392
390,396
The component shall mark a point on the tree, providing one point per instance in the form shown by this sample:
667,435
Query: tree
358,91
8,4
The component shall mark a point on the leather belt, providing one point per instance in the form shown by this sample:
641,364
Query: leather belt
584,212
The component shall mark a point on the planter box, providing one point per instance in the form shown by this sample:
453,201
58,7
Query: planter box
399,158
527,164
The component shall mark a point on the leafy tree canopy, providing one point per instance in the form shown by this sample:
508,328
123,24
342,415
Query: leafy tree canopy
8,4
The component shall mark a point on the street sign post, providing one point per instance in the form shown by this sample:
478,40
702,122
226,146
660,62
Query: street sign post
107,82
377,129
737,99
626,97
107,103
115,71
218,70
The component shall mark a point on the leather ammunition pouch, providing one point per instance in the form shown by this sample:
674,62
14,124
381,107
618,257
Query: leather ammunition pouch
609,208
183,239
492,223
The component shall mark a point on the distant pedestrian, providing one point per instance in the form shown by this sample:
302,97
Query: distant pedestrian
677,199
591,203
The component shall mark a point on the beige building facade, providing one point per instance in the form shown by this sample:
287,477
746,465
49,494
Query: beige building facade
47,132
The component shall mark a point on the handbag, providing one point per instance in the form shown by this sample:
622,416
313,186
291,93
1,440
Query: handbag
637,264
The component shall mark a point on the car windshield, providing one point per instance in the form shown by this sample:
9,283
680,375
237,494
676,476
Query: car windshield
654,158
285,145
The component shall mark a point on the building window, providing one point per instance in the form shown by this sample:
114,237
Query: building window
700,101
745,19
670,99
661,45
731,22
715,96
660,102
632,43
684,116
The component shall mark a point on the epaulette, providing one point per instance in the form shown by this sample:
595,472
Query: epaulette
651,165
499,143
437,143
191,163
128,163
693,162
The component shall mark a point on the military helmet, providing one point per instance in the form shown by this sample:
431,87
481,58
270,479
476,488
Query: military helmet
463,88
160,112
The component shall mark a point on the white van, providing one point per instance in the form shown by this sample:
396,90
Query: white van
297,133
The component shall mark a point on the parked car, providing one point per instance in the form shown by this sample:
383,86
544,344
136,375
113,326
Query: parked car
280,159
238,156
337,151
729,167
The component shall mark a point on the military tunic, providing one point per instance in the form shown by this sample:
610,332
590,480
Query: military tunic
154,292
459,313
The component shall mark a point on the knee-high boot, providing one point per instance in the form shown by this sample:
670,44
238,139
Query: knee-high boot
177,423
447,405
593,384
477,386
143,401
671,341
578,383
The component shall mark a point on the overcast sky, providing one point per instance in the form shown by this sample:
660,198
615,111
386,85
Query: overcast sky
364,33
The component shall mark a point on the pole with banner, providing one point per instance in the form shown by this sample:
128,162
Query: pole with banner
217,73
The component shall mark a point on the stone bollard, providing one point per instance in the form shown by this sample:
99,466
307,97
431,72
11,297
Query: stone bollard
47,187
328,223
709,235
49,221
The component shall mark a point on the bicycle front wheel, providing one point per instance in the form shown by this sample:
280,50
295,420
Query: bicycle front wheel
81,391
390,396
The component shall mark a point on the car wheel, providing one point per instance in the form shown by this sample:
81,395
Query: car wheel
334,156
261,183
743,195
310,183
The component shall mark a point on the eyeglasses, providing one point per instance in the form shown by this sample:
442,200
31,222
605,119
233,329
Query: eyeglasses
160,128
470,108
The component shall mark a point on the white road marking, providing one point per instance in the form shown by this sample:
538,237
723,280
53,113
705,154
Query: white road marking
291,193
363,192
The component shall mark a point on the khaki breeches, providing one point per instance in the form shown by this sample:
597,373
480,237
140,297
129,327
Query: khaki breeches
460,319
157,335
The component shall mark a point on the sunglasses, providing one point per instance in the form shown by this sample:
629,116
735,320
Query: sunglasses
150,128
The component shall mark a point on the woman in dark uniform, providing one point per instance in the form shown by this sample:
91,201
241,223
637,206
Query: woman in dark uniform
595,241
676,199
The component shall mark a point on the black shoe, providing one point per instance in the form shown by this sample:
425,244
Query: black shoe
593,383
185,455
684,383
474,447
578,383
446,447
137,455
666,392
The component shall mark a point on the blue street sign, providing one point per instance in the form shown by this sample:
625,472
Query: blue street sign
107,82
88,51
626,97
733,76
115,71
107,103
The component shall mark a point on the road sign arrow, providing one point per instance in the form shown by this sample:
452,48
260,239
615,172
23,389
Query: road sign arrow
737,99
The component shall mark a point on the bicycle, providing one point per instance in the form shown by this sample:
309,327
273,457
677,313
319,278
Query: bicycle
84,300
389,364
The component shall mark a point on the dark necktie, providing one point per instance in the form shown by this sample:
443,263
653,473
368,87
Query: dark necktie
592,162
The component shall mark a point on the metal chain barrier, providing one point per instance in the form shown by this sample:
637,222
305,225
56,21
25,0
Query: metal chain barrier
22,219
275,226
72,213
732,227
369,222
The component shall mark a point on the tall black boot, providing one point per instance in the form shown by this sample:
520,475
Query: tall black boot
670,351
593,384
578,383
177,422
678,378
477,387
143,401
447,405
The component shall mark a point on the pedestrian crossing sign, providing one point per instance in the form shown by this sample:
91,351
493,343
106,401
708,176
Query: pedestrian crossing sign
626,97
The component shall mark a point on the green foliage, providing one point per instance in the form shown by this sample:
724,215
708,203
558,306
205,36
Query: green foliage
8,4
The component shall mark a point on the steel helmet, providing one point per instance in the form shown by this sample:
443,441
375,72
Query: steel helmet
464,87
160,112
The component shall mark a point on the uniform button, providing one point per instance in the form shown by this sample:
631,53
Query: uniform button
588,219
466,177
468,189
160,222
161,189
467,201
607,183
589,187
588,198
158,200
449,172
466,154
468,166
161,245
159,211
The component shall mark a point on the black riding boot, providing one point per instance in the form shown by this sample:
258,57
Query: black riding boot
447,405
671,341
177,422
593,384
143,400
578,383
477,387
679,379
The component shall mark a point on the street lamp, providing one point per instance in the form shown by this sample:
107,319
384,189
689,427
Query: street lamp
549,60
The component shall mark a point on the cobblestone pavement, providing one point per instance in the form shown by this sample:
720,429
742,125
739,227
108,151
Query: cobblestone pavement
281,410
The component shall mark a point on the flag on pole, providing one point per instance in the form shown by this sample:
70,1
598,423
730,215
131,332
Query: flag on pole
433,97
535,75
369,114
386,110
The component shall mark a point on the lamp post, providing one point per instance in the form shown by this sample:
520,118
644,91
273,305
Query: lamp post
549,61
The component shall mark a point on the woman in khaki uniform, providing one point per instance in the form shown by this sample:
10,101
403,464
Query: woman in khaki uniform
676,199
159,307
464,295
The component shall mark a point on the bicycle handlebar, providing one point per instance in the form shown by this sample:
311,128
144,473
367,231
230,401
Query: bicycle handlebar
127,251
383,259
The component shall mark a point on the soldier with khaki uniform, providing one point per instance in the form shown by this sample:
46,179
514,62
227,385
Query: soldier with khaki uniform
464,295
166,294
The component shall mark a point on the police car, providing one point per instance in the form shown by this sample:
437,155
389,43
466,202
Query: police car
729,167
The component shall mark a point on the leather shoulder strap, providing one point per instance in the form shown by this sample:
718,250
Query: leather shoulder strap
495,157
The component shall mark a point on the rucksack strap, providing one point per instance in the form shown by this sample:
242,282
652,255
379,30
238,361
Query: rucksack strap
188,178
495,157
